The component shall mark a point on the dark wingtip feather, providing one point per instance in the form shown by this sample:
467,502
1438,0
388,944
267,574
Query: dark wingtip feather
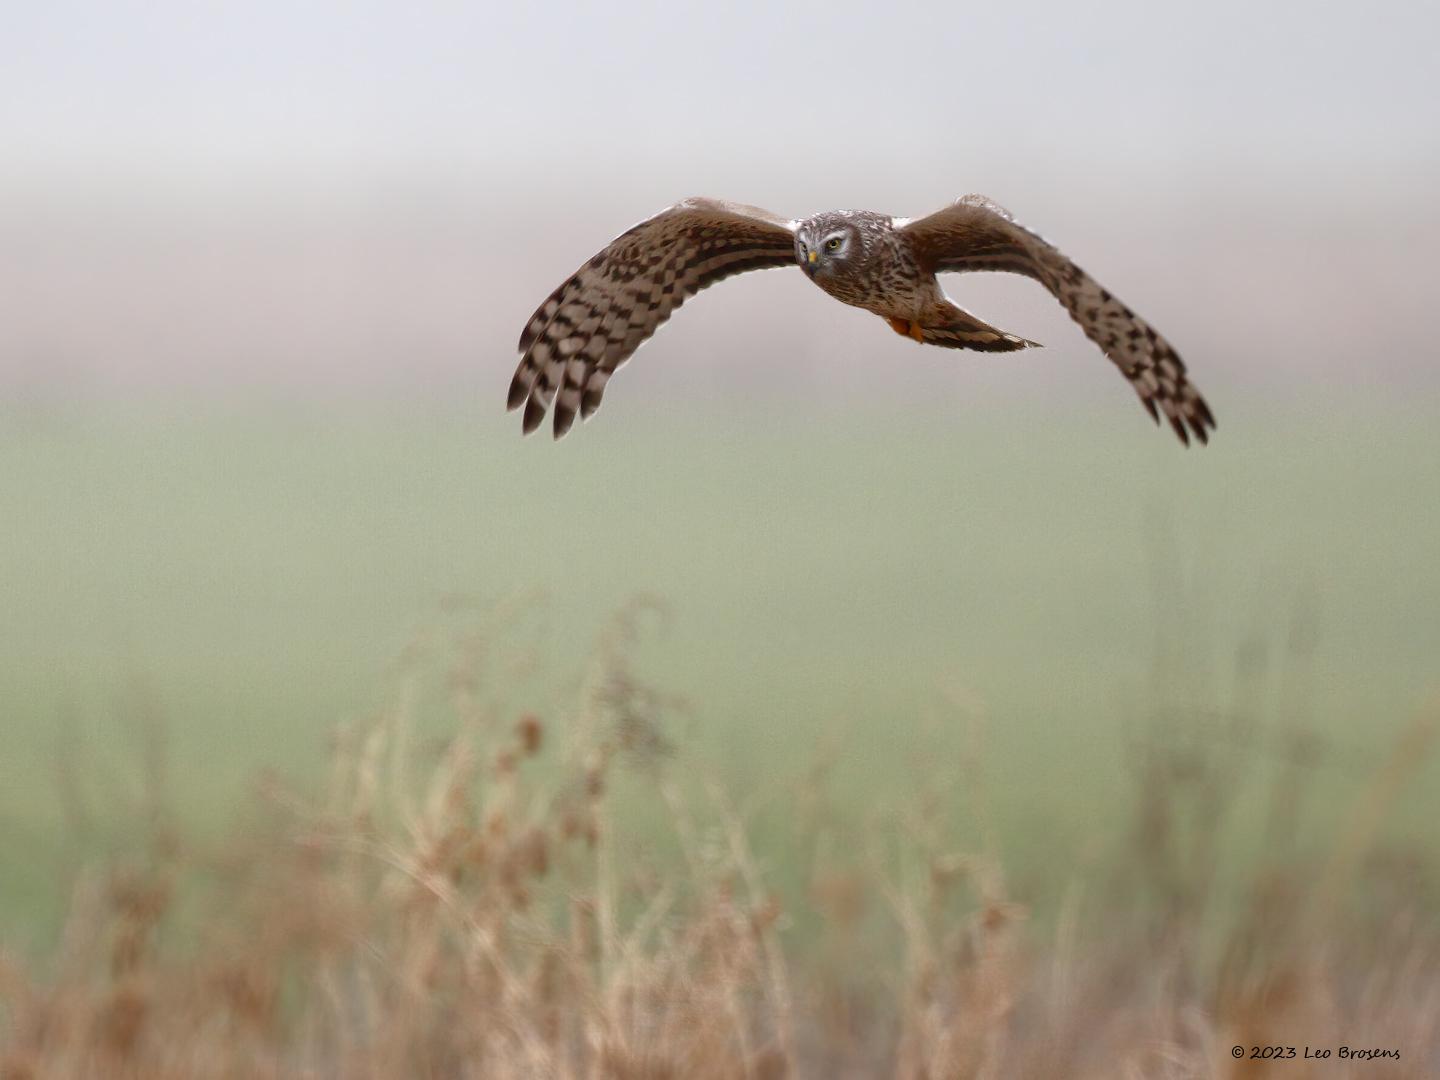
589,402
1149,404
1202,421
518,393
1179,426
534,413
564,420
534,326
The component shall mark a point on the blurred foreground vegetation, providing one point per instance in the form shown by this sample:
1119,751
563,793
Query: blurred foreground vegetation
932,746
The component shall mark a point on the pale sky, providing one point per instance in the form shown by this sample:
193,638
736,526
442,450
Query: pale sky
208,90
327,193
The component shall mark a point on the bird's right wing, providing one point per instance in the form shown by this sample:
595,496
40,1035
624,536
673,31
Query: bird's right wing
598,317
975,234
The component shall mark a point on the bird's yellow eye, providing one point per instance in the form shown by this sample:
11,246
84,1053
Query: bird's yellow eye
833,244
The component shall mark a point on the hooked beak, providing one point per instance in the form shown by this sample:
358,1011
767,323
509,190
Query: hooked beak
813,256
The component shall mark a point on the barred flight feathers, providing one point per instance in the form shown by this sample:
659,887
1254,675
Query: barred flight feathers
975,234
601,314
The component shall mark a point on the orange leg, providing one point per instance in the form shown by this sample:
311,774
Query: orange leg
908,328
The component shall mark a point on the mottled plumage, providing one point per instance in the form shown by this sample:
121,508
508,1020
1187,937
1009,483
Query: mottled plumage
598,317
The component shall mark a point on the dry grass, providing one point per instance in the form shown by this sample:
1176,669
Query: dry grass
470,911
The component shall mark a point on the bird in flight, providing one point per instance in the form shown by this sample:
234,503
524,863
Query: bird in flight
599,315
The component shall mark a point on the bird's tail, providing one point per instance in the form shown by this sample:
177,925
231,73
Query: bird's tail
952,327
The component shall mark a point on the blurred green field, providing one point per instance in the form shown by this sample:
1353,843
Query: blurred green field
844,583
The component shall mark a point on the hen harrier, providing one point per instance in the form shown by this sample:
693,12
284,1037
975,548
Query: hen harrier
598,317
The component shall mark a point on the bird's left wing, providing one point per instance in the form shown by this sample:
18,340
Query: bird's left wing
975,234
598,317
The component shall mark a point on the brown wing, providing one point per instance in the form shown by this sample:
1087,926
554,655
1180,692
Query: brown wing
975,234
598,317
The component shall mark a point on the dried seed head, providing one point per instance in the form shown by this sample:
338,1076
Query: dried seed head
947,870
531,734
766,915
999,914
139,898
536,852
571,824
124,1017
247,992
841,896
476,851
595,781
128,950
497,826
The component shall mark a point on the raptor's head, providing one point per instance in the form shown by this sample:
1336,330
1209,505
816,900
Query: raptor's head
831,244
